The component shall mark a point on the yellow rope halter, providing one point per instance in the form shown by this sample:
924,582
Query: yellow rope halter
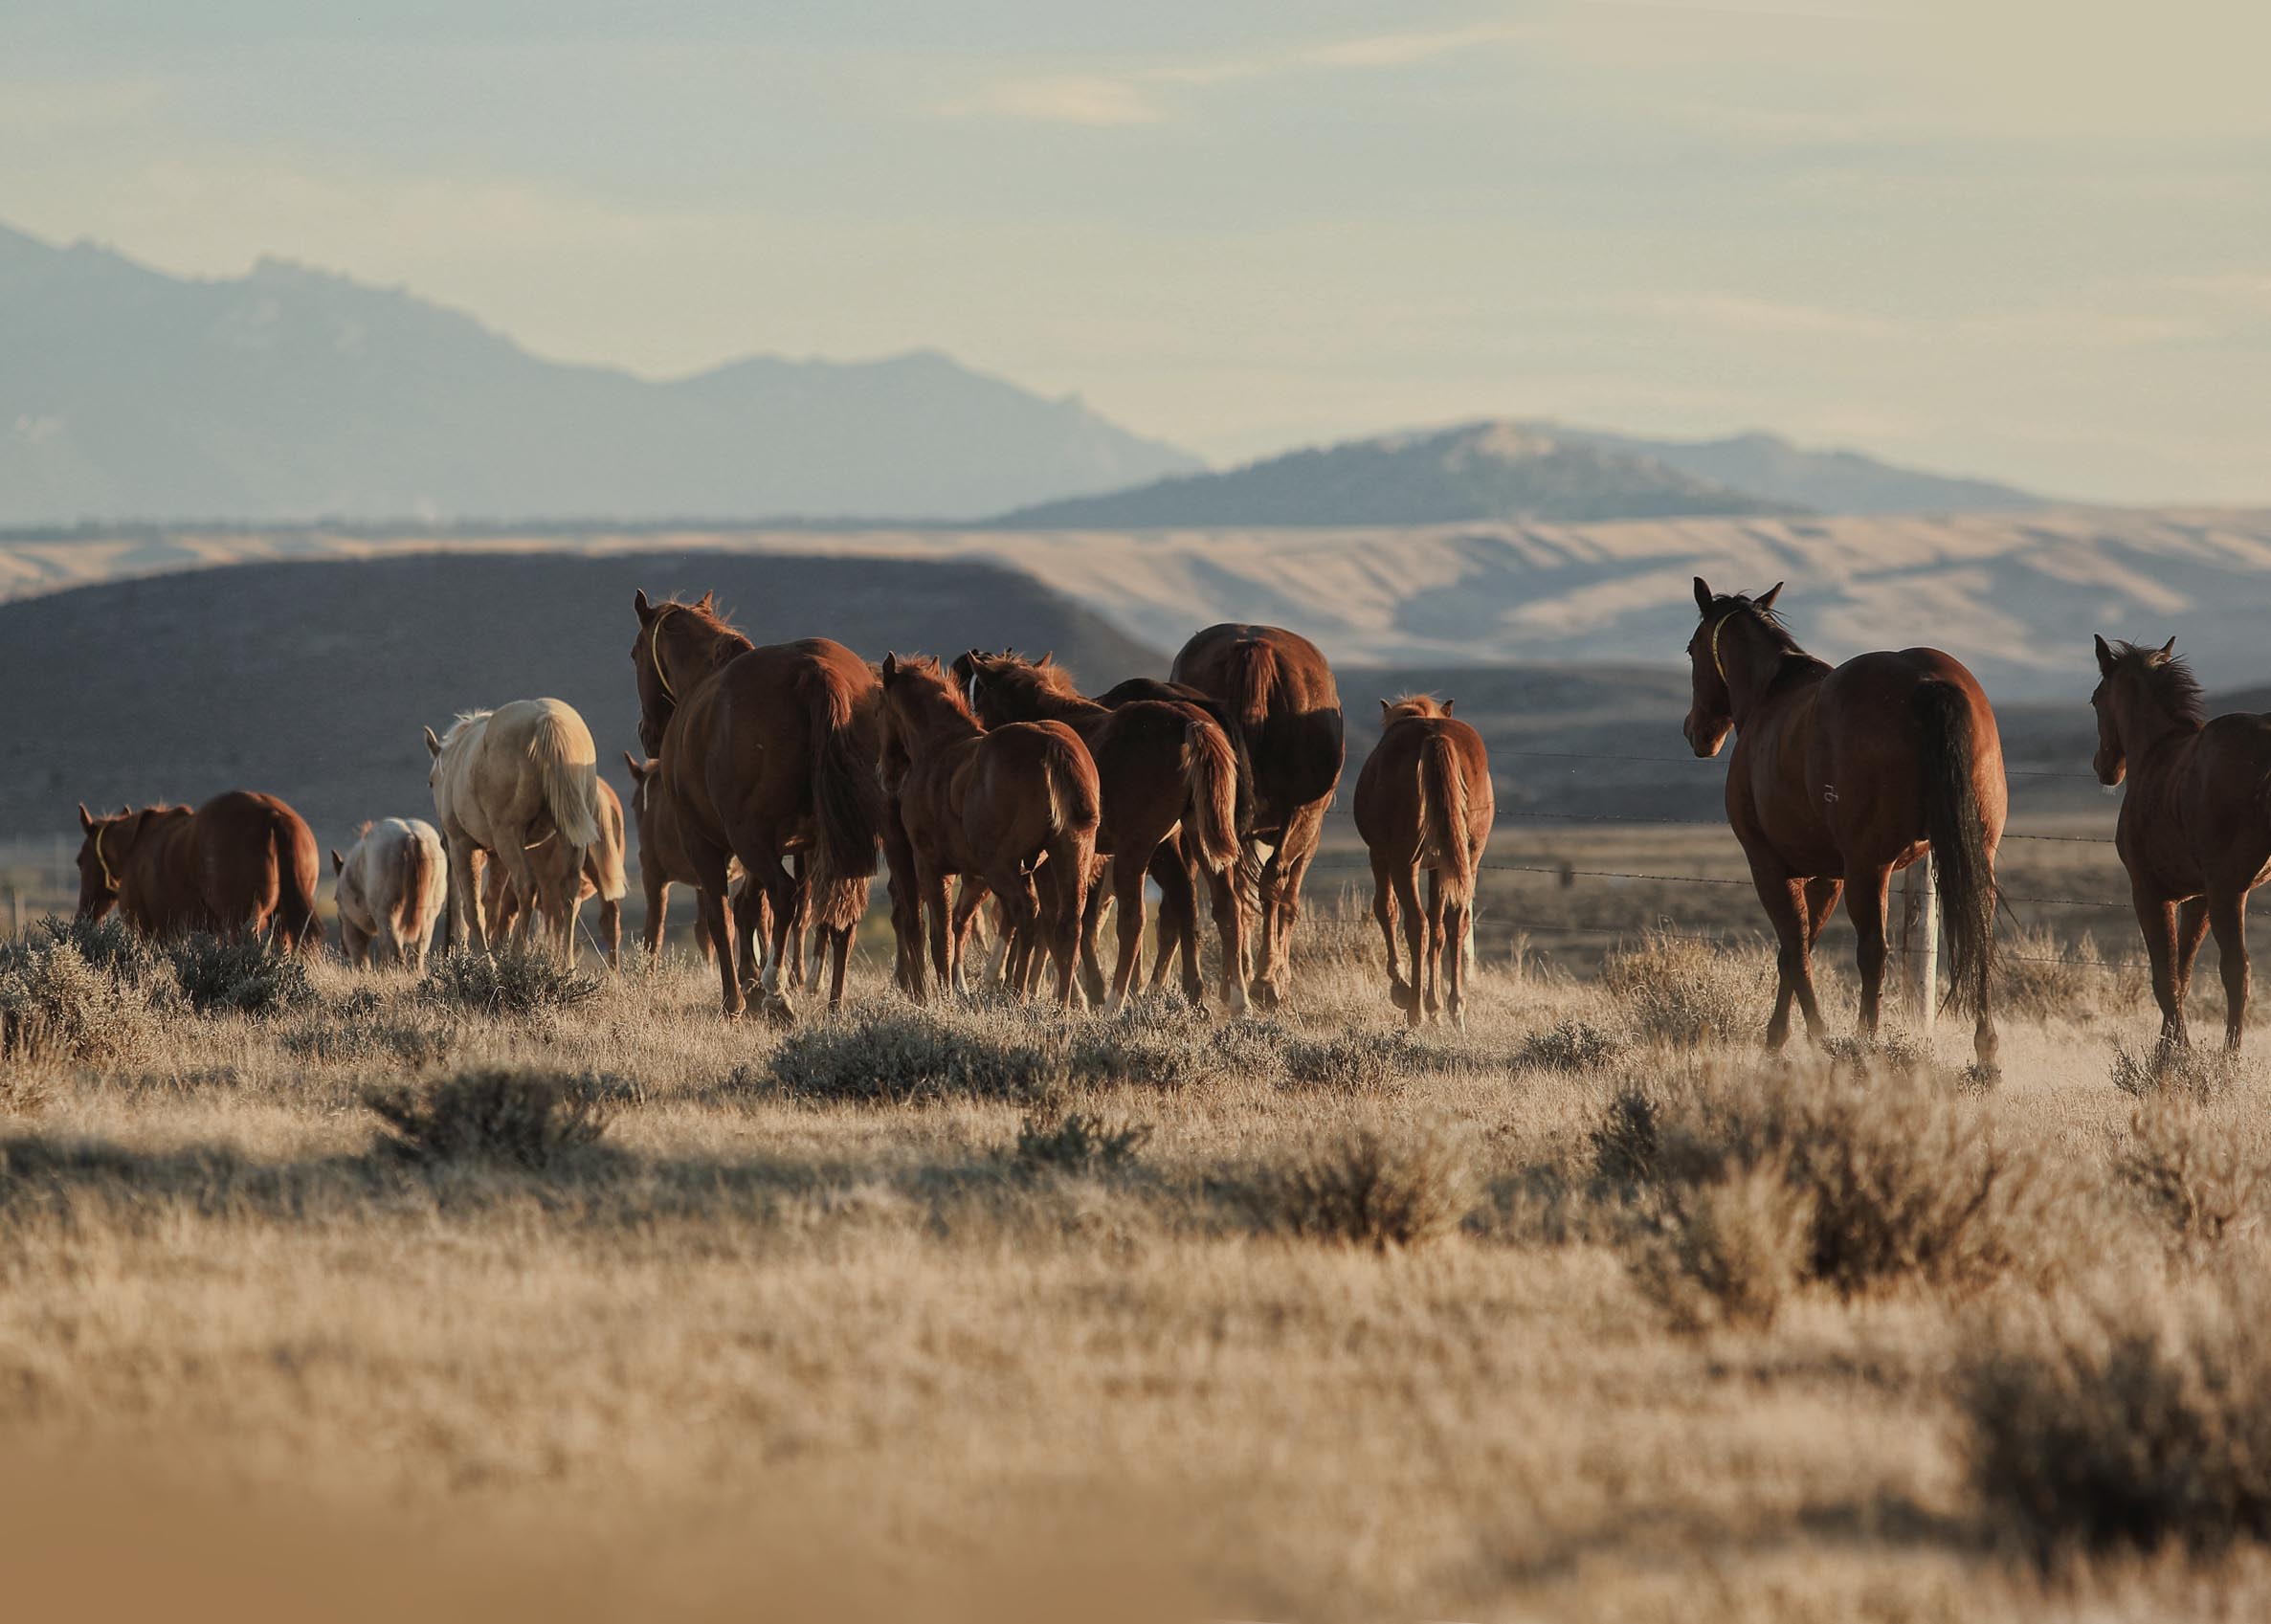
655,652
110,881
1717,625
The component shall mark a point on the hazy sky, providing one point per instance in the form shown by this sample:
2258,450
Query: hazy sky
2021,238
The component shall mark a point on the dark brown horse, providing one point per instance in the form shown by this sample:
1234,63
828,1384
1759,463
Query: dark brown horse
765,751
663,862
1163,766
1281,694
241,864
1424,801
1841,776
2195,823
1015,807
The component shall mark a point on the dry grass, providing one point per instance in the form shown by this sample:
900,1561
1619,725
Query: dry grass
1577,1313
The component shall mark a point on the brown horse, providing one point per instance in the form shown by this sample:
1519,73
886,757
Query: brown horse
1424,800
2195,824
1163,766
1011,807
764,751
602,875
241,864
663,862
1279,689
1841,776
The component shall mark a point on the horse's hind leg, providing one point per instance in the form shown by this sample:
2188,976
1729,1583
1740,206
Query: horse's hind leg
2227,915
1864,905
1091,925
1434,1002
1127,896
465,893
1458,921
1291,861
1230,922
1399,994
1177,936
1407,899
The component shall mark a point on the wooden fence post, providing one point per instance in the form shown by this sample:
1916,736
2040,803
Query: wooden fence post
1920,942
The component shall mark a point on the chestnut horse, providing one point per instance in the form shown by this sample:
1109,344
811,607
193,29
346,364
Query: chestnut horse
1010,806
1841,776
393,884
2195,825
1280,692
1424,800
241,864
602,876
663,862
1163,766
764,751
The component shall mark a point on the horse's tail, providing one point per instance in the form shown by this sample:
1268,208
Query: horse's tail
1211,812
1443,813
298,924
606,859
1076,801
570,785
1252,674
847,809
415,875
1963,866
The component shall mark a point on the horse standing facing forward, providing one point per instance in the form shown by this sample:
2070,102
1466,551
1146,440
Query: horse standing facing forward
1841,776
502,780
1011,807
2195,823
1424,800
1163,766
238,865
1278,686
393,884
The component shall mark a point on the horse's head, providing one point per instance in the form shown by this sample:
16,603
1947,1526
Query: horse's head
101,856
1412,708
2133,682
1711,706
676,644
1006,687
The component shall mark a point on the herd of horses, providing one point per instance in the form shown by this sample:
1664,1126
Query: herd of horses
771,779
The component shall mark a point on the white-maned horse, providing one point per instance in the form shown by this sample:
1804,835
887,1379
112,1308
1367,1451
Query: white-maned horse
392,885
602,877
502,780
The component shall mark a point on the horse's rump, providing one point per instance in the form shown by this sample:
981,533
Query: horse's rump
847,801
1963,864
568,772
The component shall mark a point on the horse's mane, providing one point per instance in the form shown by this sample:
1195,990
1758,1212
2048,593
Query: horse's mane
1768,619
709,620
1415,705
2169,677
933,676
1053,678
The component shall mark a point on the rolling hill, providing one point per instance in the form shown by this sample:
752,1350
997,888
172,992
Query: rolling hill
1474,471
1825,481
312,679
291,394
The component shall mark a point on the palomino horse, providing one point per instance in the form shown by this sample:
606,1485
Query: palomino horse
2196,828
502,780
1424,800
1841,776
1009,806
1162,766
1288,712
602,876
241,864
764,751
394,883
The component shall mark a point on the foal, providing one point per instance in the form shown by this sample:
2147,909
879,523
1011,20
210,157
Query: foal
1424,800
2193,834
1010,807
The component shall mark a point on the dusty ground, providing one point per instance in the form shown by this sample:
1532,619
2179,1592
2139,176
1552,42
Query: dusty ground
1359,1326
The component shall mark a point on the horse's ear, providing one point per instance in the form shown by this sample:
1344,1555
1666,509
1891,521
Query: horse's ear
1447,704
87,820
2106,659
638,769
432,744
337,862
1702,595
890,668
708,600
1386,710
1765,599
638,601
2168,648
1046,658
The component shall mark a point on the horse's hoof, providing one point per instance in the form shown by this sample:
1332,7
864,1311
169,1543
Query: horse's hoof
778,1010
1403,997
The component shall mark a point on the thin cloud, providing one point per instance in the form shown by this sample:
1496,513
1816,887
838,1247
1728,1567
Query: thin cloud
1148,94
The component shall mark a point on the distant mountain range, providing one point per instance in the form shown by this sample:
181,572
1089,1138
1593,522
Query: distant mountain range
1526,472
291,394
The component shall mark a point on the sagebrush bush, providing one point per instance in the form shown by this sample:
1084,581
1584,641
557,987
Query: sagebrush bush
1572,1044
1730,1252
914,1053
1357,1062
2193,1167
243,973
57,1003
1899,1179
1160,1043
1377,1187
2136,1424
2199,1074
363,1026
1076,1142
507,980
1679,991
524,1119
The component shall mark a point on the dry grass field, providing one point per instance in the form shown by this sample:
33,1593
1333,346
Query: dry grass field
495,1293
